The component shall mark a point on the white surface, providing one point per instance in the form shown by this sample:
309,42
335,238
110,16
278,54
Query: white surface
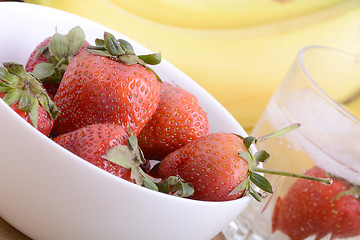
49,193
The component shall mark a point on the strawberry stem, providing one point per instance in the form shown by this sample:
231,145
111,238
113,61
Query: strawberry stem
295,175
130,156
262,156
278,133
59,52
121,51
24,88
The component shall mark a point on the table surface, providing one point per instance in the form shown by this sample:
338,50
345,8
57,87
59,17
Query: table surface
7,232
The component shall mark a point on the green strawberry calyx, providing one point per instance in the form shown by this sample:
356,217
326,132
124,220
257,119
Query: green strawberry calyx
59,52
130,156
261,156
22,87
353,191
121,51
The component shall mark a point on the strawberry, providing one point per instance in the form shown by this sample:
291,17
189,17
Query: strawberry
107,83
51,57
178,120
221,167
26,96
93,141
211,164
312,208
113,149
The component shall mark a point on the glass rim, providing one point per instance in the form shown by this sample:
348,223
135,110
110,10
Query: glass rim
300,60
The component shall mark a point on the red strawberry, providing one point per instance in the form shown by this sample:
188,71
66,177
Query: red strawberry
111,148
108,84
312,208
37,56
93,141
221,167
51,57
178,120
25,94
211,164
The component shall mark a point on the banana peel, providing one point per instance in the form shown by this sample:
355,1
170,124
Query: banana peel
239,52
225,14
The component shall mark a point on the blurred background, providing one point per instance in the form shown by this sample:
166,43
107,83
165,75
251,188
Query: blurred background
238,50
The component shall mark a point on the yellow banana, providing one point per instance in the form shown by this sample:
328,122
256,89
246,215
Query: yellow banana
239,51
215,14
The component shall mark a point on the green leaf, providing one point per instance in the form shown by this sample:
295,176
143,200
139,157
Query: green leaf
179,188
128,156
246,155
243,186
126,46
156,75
99,42
248,141
100,47
129,59
134,146
58,46
182,189
239,136
15,68
172,180
112,45
261,156
148,177
353,191
44,70
5,84
76,38
122,156
41,50
135,174
12,96
34,112
152,59
150,185
256,196
121,51
261,182
163,186
7,78
98,52
176,186
4,89
25,101
188,189
48,105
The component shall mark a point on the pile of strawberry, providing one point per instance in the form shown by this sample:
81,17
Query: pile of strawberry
105,104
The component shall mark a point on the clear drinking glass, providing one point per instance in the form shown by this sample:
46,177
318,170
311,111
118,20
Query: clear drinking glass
321,92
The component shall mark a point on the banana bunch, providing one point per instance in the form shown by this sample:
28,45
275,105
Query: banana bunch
238,50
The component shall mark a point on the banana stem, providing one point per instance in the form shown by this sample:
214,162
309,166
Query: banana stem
295,175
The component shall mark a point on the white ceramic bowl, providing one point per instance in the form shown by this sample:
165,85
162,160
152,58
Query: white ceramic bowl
49,193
